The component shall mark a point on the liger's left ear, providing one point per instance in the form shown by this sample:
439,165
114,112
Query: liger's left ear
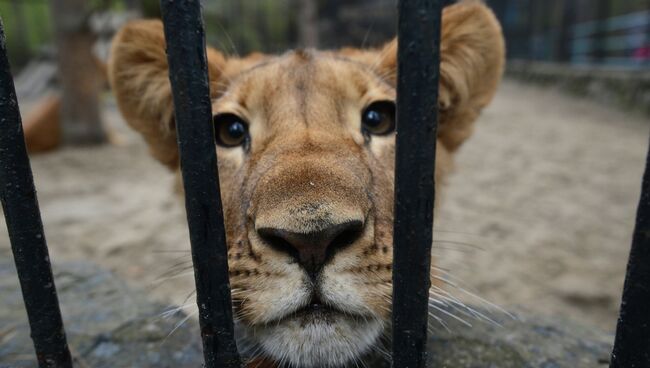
472,61
139,76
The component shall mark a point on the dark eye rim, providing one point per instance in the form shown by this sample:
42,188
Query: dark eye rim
228,118
382,106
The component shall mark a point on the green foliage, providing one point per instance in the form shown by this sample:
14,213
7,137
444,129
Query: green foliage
27,27
150,8
233,26
240,27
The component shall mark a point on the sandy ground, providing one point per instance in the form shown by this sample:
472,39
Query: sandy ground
538,216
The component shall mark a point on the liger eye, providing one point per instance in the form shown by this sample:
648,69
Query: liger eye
230,130
379,118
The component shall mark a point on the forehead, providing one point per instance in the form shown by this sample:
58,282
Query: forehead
302,78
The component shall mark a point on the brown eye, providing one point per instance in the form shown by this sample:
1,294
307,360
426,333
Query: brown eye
230,130
379,118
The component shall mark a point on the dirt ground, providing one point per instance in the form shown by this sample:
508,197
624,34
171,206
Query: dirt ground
538,216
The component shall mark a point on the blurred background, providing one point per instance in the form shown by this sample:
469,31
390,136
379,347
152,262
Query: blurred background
538,215
605,32
596,43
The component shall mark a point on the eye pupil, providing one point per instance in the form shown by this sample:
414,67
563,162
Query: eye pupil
373,118
236,130
230,130
378,118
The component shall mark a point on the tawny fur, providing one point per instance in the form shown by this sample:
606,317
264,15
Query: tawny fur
308,163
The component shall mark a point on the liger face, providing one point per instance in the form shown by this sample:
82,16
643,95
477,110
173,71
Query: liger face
305,145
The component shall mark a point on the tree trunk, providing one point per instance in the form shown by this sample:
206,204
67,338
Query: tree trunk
307,23
80,78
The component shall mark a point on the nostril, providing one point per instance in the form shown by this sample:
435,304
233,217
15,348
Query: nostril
314,248
274,238
347,235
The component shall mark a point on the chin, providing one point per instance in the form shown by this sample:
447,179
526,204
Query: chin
317,337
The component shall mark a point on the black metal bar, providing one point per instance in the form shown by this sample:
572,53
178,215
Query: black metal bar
20,205
188,74
603,10
646,61
632,343
417,103
530,29
565,35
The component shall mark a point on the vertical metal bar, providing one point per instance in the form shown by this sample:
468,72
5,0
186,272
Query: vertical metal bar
531,30
603,9
188,74
20,205
419,24
565,36
646,43
632,343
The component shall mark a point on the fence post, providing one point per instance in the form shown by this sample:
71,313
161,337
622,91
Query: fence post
20,206
603,9
531,29
188,74
417,103
632,343
565,35
646,44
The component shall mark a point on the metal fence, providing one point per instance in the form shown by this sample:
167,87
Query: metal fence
418,72
613,33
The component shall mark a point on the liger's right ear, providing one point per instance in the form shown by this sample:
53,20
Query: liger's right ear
139,76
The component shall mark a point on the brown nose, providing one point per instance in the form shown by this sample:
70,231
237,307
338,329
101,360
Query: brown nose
313,249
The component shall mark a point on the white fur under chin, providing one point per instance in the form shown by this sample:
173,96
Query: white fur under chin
318,344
